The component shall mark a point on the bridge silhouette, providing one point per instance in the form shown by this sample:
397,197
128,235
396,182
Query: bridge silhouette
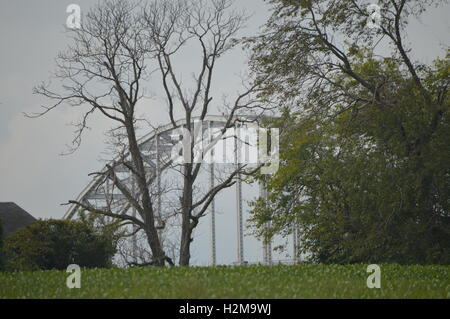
156,149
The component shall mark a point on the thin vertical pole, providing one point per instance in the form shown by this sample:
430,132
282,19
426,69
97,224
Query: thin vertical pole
158,186
158,179
133,213
212,205
213,216
240,231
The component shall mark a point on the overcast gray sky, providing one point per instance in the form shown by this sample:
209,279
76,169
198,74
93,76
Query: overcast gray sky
36,177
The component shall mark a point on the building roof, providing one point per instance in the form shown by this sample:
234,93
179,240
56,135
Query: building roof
13,217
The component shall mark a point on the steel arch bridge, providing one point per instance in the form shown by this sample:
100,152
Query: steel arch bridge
156,148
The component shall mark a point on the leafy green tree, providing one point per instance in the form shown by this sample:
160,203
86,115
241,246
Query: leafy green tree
365,159
55,244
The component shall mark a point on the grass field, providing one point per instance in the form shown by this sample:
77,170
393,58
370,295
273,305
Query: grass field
302,281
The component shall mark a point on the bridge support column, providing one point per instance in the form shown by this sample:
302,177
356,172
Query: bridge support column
240,230
212,206
158,186
133,213
213,217
239,215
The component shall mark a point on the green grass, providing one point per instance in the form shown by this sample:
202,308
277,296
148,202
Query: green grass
303,281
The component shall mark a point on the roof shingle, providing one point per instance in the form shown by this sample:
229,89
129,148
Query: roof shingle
13,217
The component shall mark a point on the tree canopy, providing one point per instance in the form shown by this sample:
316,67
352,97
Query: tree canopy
364,169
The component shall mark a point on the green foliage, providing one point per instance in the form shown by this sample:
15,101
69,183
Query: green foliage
55,244
358,192
112,230
301,281
365,160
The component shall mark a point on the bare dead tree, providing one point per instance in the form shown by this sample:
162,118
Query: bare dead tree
104,71
211,27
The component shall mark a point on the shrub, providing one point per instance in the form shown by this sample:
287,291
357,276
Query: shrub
54,244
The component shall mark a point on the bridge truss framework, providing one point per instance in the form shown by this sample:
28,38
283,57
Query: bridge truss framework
156,148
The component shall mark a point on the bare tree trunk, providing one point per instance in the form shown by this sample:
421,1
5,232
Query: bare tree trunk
211,26
186,209
186,239
148,213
